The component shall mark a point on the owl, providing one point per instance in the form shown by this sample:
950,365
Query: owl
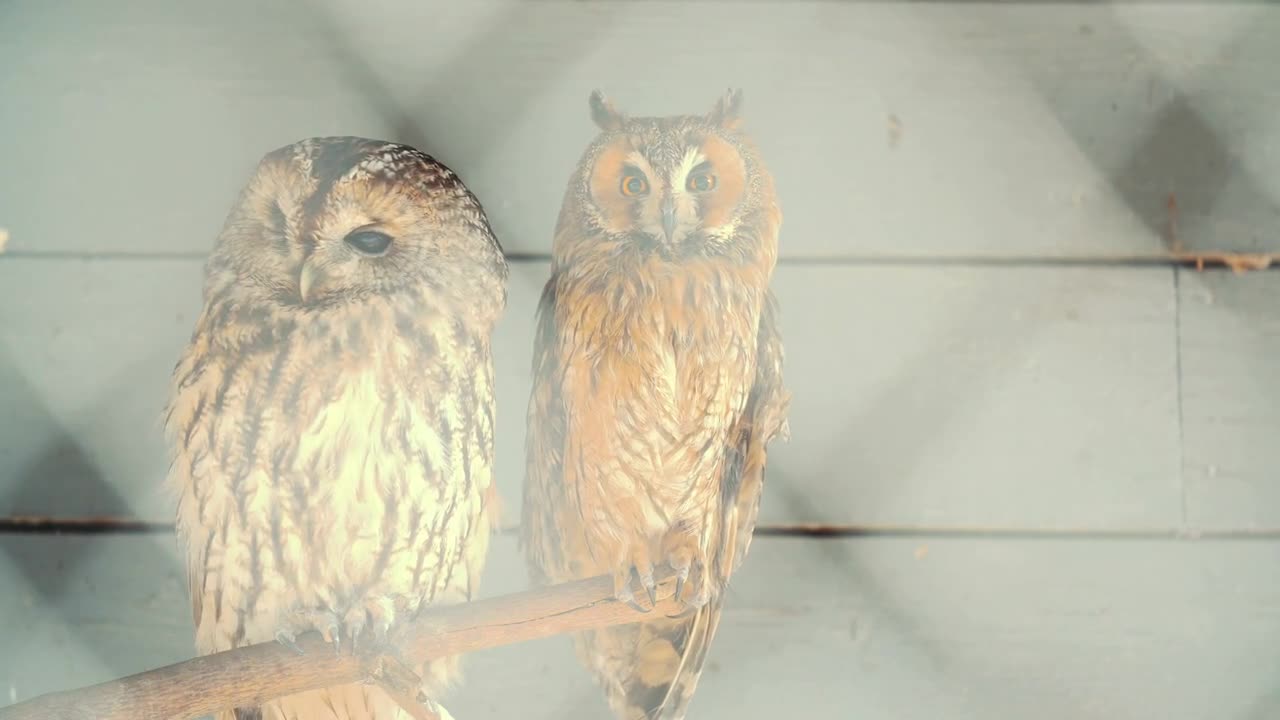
331,422
657,387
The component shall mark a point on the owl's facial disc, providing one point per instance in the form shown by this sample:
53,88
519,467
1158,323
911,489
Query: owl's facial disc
359,242
336,262
308,276
674,198
687,191
341,220
656,206
369,243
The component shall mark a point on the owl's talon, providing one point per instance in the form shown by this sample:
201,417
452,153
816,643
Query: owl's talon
371,620
624,591
301,619
363,632
650,587
287,639
687,558
332,633
645,579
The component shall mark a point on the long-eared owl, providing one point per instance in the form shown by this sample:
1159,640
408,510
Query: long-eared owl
657,386
331,421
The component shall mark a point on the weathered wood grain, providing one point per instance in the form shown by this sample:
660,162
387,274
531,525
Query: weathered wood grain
941,397
902,628
894,129
1230,339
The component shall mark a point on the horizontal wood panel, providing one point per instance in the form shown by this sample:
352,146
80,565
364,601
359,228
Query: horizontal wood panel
928,396
894,129
1230,328
941,397
814,628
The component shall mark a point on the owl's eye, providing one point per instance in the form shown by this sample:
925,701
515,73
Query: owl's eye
633,185
369,242
701,182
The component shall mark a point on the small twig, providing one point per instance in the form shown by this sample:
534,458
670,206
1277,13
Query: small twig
249,676
404,686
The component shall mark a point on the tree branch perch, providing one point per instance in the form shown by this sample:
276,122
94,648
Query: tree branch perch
253,674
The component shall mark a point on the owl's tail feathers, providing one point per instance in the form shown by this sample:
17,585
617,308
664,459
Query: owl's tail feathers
651,669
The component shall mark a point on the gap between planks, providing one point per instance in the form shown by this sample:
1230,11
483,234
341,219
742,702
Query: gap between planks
110,525
1239,262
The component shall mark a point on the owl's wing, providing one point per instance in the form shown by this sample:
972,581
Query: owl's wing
764,419
544,449
665,695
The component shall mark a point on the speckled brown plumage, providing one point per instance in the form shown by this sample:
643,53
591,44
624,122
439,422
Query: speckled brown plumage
657,386
332,419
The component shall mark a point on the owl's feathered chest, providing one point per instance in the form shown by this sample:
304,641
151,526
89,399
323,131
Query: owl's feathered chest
657,372
326,421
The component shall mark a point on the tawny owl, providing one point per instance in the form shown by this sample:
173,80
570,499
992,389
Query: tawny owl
657,386
332,419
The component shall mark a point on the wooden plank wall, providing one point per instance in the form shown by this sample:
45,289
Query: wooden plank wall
1047,451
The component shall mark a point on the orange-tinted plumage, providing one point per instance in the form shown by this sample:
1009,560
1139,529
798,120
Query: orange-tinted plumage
657,386
331,421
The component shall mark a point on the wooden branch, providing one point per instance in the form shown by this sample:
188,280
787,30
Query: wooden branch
250,675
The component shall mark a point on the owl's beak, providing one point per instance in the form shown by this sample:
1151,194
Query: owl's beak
669,217
307,279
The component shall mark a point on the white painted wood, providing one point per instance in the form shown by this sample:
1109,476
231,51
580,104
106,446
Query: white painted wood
1230,328
876,628
996,396
924,396
894,129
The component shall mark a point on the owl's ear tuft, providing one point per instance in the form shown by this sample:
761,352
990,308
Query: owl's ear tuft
728,110
605,115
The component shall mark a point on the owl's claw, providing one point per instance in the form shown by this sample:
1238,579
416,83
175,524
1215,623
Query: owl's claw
373,616
689,562
650,588
625,582
299,620
289,640
682,578
332,633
